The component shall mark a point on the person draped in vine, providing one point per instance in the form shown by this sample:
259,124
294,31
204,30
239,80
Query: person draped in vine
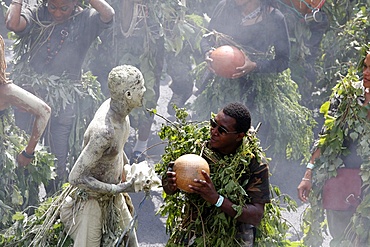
56,35
256,26
225,150
343,107
259,29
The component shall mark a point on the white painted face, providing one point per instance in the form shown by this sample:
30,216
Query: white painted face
137,94
126,84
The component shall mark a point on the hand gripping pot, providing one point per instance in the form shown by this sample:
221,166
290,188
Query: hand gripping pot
189,167
226,59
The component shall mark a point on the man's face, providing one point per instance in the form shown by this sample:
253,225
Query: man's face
224,137
138,94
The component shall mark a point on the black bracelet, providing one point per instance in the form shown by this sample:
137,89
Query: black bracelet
28,156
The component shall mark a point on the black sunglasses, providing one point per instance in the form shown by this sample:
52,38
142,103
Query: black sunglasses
220,129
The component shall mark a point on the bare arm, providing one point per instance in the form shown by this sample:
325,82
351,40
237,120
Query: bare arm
105,10
13,95
85,169
305,185
252,213
13,19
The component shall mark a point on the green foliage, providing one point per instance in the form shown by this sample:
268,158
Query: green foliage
19,185
339,47
43,228
351,122
184,210
315,68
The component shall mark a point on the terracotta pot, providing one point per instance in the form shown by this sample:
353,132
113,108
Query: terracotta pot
225,60
188,167
305,6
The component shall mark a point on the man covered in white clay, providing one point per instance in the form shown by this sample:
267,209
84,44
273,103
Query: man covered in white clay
98,210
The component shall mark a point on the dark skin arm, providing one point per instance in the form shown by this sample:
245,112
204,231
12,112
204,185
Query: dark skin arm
305,186
252,213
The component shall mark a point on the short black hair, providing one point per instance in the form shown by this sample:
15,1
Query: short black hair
241,114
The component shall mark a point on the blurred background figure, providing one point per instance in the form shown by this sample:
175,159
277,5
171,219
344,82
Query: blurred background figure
239,23
54,37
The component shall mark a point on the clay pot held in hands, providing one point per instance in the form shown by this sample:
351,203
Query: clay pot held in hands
188,167
226,59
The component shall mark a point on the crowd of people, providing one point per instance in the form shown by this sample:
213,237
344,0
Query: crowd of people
53,40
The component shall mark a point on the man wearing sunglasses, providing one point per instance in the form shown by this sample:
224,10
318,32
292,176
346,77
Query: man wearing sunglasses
229,140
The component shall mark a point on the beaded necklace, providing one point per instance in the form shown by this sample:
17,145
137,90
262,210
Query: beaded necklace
251,15
52,53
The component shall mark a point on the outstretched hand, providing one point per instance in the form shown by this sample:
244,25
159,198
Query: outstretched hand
205,188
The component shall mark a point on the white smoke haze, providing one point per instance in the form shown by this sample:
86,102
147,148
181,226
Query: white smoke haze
151,230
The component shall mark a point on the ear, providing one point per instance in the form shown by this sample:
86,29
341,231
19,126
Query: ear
128,94
240,136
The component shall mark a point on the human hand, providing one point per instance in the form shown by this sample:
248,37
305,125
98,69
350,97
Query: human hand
128,186
205,188
209,60
248,67
304,189
169,181
23,160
